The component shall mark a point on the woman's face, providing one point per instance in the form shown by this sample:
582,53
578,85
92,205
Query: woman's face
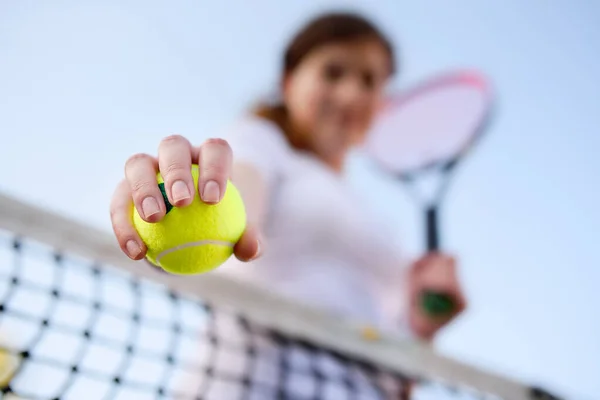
334,92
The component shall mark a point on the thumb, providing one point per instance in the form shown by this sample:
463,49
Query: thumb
249,247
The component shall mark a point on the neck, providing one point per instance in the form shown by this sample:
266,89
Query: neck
334,161
337,164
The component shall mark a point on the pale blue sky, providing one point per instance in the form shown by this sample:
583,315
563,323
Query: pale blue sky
83,85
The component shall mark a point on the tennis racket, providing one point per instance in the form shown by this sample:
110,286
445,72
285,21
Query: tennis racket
420,136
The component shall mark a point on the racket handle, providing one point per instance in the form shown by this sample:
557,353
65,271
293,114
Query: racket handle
431,229
433,303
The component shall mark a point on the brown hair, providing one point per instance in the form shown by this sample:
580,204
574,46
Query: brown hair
325,29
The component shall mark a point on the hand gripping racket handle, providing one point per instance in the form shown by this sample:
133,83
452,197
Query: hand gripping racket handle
435,304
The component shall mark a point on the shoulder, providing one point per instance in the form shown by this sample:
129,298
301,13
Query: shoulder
260,143
257,133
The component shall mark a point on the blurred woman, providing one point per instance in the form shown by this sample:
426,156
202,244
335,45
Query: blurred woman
309,236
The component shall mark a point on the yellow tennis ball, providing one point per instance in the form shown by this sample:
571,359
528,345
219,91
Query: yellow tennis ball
196,238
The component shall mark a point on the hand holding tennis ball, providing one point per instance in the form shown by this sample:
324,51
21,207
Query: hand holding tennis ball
180,211
196,238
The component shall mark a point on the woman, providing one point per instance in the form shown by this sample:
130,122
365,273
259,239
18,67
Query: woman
309,236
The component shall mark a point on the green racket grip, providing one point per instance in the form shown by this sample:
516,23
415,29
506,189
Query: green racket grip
437,304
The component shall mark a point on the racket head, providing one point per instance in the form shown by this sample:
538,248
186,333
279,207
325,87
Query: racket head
432,125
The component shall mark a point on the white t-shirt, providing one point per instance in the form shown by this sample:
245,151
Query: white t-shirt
322,245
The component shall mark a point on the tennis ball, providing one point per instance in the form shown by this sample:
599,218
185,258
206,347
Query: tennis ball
196,238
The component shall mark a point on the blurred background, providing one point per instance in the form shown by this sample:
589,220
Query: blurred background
84,85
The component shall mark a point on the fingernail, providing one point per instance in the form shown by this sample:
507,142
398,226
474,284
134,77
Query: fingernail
150,207
211,192
133,249
180,191
258,249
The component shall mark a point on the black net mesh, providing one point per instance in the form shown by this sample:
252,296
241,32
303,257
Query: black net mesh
83,331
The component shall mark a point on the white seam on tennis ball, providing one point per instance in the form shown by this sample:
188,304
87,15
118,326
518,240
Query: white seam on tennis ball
192,244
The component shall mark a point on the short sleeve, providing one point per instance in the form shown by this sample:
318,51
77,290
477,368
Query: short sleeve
261,143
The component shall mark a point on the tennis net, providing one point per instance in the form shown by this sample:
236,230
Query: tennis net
80,321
